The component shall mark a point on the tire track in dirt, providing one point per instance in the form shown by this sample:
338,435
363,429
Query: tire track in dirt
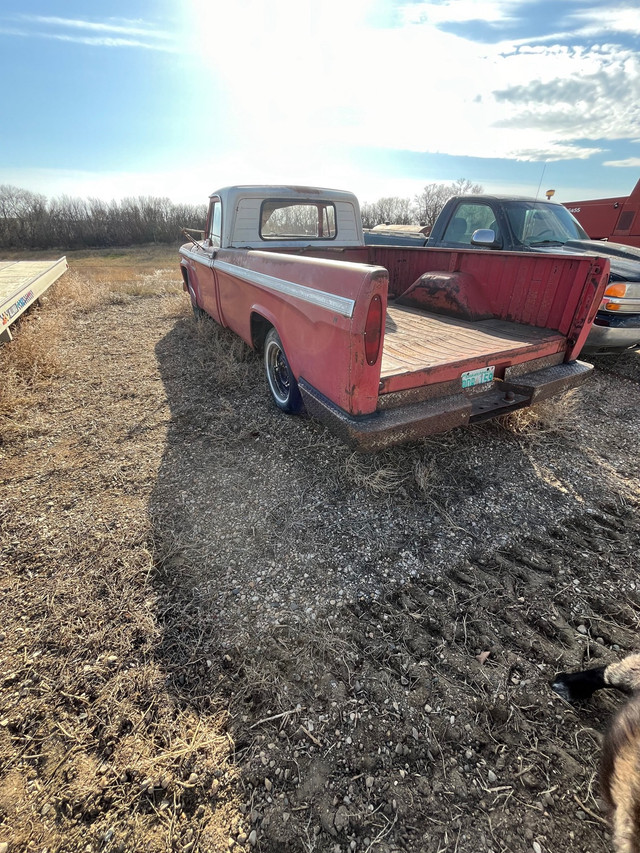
461,742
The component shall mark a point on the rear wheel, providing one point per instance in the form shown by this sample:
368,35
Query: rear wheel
282,384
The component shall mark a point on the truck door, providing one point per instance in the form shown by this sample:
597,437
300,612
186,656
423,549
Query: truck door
206,283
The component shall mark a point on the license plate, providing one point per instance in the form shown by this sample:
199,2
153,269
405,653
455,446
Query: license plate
477,377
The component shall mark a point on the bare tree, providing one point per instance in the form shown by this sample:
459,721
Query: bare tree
22,216
368,214
463,186
28,220
429,202
391,210
433,197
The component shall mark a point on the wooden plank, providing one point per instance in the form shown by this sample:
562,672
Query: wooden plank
415,340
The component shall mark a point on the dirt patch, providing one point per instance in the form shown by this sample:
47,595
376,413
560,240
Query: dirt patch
221,629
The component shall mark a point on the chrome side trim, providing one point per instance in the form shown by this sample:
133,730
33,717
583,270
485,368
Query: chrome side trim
338,304
201,258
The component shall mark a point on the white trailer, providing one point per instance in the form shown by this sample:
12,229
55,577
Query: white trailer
21,283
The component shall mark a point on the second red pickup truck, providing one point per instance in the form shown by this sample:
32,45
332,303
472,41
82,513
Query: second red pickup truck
387,344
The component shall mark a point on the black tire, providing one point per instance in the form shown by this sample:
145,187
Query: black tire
281,381
198,313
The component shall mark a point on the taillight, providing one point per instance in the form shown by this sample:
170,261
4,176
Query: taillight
373,330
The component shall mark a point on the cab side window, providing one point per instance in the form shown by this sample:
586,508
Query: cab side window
468,218
215,229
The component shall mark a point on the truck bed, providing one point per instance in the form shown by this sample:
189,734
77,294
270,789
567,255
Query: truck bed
418,340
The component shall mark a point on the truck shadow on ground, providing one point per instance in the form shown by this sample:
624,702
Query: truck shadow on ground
260,498
381,630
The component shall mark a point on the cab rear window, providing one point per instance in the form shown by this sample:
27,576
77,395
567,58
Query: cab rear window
285,220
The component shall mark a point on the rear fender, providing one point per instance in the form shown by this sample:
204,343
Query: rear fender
325,349
188,283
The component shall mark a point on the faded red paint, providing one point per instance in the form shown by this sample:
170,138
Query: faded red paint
327,350
323,347
318,299
550,291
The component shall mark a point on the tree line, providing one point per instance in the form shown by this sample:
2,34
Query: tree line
29,220
423,209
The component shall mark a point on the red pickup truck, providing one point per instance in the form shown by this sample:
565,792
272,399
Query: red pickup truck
386,344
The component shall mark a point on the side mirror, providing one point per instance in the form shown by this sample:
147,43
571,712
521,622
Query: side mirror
486,238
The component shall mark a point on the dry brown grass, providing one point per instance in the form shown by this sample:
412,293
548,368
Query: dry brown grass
132,720
111,737
377,474
76,293
94,279
96,737
28,364
88,285
232,358
33,354
557,416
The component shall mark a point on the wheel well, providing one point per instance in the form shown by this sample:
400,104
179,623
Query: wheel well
259,330
185,278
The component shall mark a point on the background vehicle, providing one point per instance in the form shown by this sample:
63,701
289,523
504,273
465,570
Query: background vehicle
396,235
615,219
529,225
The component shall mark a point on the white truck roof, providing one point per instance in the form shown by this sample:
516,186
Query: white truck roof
241,207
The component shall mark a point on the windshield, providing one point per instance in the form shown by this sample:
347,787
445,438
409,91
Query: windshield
542,224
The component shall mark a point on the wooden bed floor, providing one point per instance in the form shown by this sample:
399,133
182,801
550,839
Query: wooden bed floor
415,340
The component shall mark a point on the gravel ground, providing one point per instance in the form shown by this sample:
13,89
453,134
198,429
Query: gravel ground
221,629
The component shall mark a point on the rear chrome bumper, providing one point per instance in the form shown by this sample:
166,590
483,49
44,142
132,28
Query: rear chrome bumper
416,420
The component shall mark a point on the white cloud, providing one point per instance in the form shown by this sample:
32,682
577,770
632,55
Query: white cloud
105,41
124,27
617,19
628,162
459,12
576,19
308,75
194,185
107,33
288,90
179,186
587,94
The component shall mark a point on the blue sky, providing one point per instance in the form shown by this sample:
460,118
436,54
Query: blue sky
179,97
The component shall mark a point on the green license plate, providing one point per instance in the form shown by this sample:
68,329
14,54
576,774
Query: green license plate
477,377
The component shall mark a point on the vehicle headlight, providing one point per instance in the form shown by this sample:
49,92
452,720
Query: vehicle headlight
622,296
619,289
